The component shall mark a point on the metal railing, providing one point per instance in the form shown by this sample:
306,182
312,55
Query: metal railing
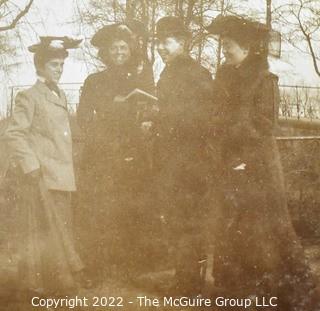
299,102
296,101
72,91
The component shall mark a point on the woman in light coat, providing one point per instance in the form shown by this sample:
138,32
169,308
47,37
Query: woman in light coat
40,145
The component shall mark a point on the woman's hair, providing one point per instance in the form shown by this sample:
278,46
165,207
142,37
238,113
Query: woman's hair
41,57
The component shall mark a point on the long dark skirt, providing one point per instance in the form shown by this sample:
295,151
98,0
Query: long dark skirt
116,221
182,186
257,252
48,259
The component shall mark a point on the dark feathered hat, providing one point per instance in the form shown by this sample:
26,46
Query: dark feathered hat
109,33
171,26
248,32
52,47
238,28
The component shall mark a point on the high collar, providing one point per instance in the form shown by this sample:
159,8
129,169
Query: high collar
120,68
250,68
43,88
41,79
127,69
46,82
246,69
52,86
179,60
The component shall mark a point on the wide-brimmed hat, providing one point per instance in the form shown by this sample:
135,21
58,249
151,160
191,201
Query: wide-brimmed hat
52,44
109,33
51,47
171,26
238,28
245,31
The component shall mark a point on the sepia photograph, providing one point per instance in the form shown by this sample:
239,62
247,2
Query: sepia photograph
160,155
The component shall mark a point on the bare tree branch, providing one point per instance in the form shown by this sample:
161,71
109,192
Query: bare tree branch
18,17
308,39
302,25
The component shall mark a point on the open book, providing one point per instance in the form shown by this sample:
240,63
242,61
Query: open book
141,95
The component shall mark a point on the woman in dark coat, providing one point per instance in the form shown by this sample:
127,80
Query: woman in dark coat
184,91
257,252
114,170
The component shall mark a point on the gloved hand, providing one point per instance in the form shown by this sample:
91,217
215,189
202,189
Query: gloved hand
34,176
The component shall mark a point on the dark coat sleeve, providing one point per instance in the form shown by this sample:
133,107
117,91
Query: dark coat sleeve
147,84
205,97
85,112
147,79
258,109
267,105
198,91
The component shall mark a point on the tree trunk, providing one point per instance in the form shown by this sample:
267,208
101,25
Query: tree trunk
222,12
201,30
268,16
153,30
189,15
129,10
179,8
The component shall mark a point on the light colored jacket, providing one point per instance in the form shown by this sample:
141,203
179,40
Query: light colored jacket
39,136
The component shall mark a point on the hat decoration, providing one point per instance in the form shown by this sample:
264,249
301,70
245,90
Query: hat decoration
52,43
124,27
56,44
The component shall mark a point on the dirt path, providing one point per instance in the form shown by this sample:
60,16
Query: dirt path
129,300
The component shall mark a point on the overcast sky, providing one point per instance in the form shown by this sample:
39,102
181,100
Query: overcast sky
54,17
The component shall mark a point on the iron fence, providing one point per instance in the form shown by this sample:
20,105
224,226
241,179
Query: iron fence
299,102
295,101
72,91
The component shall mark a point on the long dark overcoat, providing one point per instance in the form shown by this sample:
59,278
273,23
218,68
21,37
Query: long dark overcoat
114,166
256,248
184,91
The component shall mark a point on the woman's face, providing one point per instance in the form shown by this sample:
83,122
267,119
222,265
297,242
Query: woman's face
52,70
170,47
233,52
119,52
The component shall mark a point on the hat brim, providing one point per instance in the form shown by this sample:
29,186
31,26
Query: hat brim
228,25
108,33
166,34
34,48
66,43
